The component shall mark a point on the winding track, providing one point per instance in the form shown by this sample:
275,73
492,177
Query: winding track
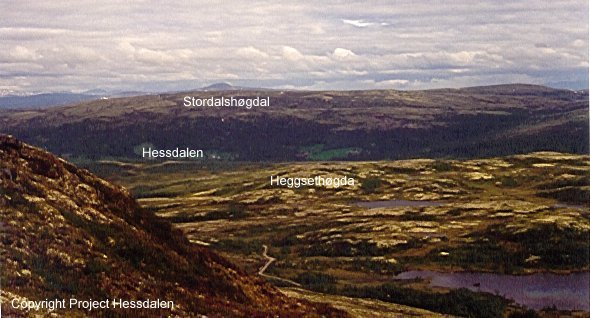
270,260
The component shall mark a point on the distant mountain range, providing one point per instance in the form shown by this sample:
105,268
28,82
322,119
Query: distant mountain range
220,87
319,125
10,99
43,100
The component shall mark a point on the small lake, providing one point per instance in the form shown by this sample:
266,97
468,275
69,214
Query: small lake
397,204
535,291
571,206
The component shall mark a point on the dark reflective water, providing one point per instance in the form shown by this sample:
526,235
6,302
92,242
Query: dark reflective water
397,203
571,206
535,291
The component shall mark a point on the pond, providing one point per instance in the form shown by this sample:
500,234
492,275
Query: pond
571,206
569,292
397,203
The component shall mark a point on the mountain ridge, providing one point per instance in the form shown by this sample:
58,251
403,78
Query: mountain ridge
67,233
311,125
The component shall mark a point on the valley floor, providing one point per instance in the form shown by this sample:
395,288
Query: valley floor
511,215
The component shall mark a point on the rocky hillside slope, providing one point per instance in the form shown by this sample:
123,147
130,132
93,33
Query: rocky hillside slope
67,233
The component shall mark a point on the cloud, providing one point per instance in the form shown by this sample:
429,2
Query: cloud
19,54
251,52
579,43
292,54
342,54
173,45
358,23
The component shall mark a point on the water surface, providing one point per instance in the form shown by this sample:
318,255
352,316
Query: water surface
397,204
569,292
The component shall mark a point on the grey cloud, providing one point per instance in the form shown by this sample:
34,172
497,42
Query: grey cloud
64,45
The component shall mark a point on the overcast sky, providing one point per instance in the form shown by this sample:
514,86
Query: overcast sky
48,45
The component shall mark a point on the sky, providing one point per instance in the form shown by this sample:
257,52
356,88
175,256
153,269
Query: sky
49,45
